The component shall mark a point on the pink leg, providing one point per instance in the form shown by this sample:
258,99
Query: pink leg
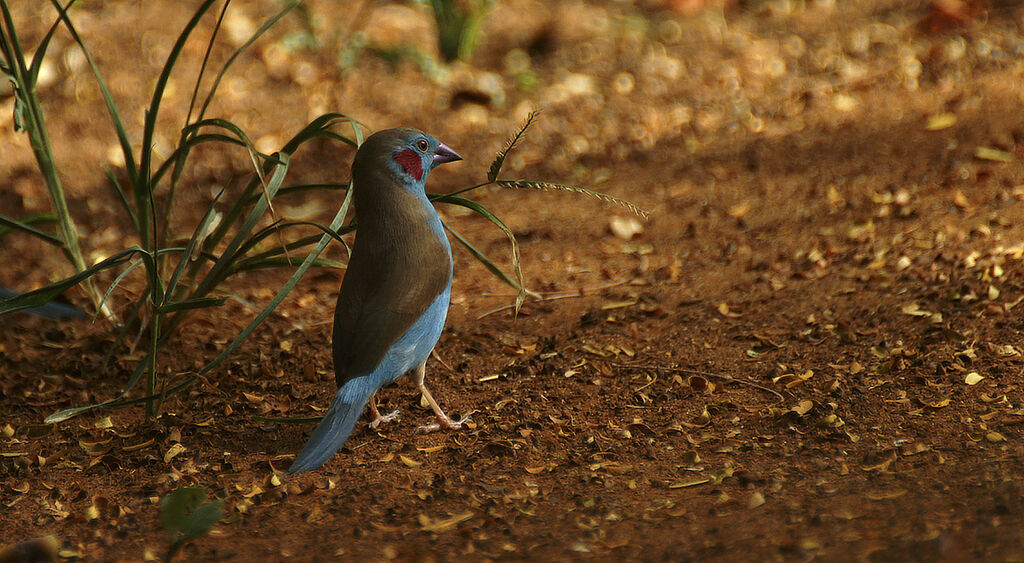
442,419
379,418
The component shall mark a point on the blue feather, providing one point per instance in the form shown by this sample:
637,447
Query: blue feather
394,300
409,351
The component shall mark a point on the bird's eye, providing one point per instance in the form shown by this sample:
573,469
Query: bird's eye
422,145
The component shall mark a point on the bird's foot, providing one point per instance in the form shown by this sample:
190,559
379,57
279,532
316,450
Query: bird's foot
379,419
442,422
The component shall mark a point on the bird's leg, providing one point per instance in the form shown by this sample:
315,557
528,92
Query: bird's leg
442,419
379,418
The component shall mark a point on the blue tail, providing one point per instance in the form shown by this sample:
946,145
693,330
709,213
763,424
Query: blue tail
336,426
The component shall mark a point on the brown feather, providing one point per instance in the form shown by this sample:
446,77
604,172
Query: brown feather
398,267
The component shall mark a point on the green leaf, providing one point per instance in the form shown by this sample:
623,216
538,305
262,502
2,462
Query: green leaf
198,303
46,294
516,266
184,515
336,224
486,261
8,224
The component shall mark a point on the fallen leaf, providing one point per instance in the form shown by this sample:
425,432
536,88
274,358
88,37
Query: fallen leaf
961,201
738,210
625,228
886,495
173,451
409,462
973,378
428,524
686,484
988,153
940,121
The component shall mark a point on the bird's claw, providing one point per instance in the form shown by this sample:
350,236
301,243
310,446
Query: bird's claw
442,422
380,419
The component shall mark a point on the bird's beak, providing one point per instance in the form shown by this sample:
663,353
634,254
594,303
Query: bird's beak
444,154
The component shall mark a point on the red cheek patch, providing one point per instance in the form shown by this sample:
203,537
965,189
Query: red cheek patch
410,161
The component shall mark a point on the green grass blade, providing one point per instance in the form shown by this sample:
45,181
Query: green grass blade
248,265
487,262
252,39
197,303
122,197
145,206
45,294
37,59
115,114
516,265
183,149
298,244
318,129
336,224
30,220
205,63
222,267
8,224
280,226
301,188
200,231
117,281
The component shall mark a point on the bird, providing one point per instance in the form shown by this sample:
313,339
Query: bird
53,310
395,294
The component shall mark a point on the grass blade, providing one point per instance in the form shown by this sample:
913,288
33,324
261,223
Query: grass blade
200,230
115,114
197,303
488,263
45,294
336,224
516,266
252,39
7,224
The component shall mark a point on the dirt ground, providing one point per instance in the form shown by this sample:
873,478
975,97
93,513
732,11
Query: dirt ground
810,350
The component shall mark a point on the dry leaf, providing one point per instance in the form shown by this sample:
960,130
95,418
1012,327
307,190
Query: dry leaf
723,309
739,210
973,378
173,451
428,524
995,437
409,462
988,153
940,121
625,227
803,407
960,200
685,484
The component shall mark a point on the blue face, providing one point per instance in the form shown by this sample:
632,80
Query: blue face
419,155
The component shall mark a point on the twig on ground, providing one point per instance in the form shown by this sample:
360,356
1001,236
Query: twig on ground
725,378
555,295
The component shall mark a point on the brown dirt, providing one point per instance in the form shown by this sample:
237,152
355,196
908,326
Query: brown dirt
774,369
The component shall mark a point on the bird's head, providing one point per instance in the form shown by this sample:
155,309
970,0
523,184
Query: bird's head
409,154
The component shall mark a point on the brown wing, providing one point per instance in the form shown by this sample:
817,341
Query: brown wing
397,269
